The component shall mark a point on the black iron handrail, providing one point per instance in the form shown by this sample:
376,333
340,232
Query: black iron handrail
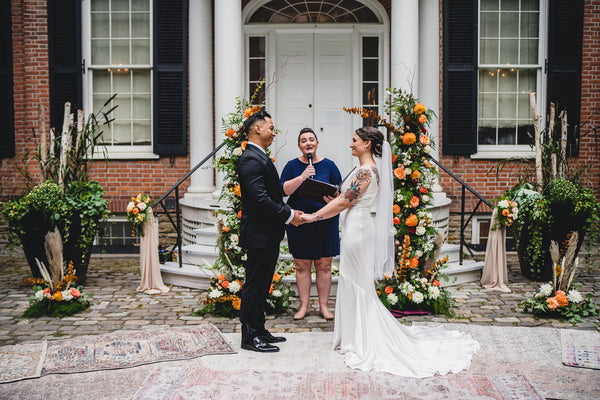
463,224
175,188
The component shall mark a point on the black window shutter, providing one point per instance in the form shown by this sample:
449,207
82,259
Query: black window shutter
460,77
64,56
170,77
7,110
565,46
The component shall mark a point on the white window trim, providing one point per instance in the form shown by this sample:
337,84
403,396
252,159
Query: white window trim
115,152
499,152
475,231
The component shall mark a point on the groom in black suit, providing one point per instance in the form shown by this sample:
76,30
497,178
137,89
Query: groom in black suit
264,215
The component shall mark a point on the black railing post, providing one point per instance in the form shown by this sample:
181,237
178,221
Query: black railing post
178,218
462,228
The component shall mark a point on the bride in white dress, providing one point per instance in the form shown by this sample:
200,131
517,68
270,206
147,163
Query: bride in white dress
365,331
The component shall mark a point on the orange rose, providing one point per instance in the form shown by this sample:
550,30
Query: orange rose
271,289
409,138
435,283
135,211
424,139
221,277
552,303
243,145
422,119
396,209
230,133
57,296
237,191
240,214
252,110
419,108
394,157
413,263
75,293
389,289
225,284
412,220
236,303
505,212
276,277
400,173
415,174
47,291
224,229
561,298
396,221
414,202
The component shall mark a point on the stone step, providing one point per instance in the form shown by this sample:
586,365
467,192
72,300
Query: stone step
206,235
450,250
469,271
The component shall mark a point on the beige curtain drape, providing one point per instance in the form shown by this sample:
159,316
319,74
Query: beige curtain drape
152,282
495,276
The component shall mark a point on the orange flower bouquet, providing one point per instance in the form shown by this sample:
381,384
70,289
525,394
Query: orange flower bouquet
138,210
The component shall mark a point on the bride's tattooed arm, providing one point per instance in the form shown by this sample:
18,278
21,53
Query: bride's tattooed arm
357,186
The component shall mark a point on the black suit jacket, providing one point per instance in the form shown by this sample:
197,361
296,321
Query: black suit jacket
263,211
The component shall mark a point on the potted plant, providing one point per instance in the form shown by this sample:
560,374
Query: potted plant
559,204
66,198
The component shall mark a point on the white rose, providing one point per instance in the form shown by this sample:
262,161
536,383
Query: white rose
425,198
244,257
141,206
39,295
276,293
434,292
234,287
503,204
408,171
418,297
234,238
130,206
392,298
238,151
420,230
418,253
427,149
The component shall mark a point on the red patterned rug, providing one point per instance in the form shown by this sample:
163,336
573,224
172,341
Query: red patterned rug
201,383
129,349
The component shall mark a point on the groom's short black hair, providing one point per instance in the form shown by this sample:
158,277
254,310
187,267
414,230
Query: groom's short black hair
258,116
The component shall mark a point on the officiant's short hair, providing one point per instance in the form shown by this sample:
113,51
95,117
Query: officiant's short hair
306,130
257,116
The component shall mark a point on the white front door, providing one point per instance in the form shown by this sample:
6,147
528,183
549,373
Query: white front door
313,84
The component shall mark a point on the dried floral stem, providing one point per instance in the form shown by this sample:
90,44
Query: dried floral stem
538,146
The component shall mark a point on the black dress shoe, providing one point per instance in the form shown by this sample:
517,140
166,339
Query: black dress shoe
267,337
258,344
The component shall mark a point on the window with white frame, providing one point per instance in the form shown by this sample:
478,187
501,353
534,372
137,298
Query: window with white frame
510,68
119,54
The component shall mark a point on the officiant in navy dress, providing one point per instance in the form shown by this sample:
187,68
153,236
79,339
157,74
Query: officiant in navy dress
314,243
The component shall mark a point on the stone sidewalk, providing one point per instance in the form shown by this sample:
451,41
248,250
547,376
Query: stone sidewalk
117,305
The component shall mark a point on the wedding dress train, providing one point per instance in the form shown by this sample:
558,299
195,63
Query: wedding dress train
365,331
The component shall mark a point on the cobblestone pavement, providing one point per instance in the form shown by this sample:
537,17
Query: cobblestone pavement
117,305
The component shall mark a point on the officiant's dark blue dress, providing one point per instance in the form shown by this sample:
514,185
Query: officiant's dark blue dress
318,239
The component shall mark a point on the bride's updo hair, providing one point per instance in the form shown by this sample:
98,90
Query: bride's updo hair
374,136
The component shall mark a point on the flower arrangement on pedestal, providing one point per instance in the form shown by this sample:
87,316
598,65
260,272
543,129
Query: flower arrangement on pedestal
54,295
561,297
137,212
222,300
506,213
412,286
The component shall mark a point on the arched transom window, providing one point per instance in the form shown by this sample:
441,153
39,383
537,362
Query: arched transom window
313,11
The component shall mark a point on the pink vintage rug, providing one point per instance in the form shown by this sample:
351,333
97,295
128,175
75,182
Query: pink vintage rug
201,383
580,348
21,361
129,349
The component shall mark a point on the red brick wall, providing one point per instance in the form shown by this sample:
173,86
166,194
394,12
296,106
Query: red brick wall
481,174
120,179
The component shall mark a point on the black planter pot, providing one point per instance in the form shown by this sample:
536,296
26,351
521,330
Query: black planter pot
37,226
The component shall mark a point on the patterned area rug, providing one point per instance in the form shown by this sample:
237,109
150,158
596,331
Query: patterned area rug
21,361
129,349
580,348
202,383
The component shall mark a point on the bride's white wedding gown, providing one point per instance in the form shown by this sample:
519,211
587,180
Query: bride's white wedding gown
365,331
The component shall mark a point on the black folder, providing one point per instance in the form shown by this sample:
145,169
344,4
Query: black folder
315,190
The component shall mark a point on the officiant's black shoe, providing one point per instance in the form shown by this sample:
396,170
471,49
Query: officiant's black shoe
267,337
258,344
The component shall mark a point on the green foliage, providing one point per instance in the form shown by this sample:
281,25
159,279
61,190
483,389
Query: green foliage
53,308
562,192
573,312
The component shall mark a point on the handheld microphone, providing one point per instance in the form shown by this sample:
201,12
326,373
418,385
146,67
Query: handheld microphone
309,157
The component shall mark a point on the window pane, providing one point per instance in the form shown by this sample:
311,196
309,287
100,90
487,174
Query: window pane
100,52
507,107
100,25
141,81
527,5
507,5
509,51
525,133
370,46
140,5
507,133
487,105
140,51
507,80
490,5
142,133
487,80
119,25
257,46
98,101
509,24
140,25
141,106
370,70
530,25
119,5
489,24
121,82
370,95
257,69
101,82
124,110
486,132
120,52
527,81
489,51
122,132
99,5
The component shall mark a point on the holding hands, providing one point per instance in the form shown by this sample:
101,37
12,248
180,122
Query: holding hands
307,218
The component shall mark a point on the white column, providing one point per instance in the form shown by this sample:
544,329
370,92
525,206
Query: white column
405,45
229,62
200,92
